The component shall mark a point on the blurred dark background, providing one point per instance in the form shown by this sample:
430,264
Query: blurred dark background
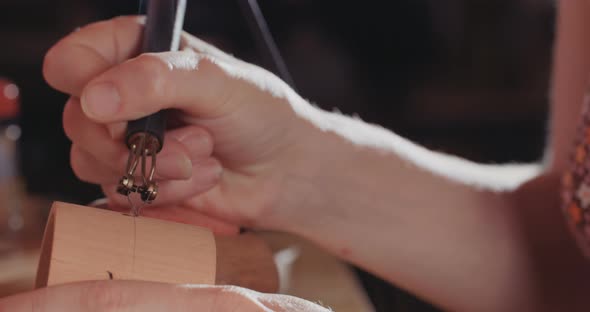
468,77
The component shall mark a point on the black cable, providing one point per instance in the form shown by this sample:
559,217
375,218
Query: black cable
264,40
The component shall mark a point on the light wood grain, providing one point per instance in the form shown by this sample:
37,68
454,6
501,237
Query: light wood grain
311,273
83,243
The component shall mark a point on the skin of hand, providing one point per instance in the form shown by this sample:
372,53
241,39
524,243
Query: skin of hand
127,296
236,141
465,236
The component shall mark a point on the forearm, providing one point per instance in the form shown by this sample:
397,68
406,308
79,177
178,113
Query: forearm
444,228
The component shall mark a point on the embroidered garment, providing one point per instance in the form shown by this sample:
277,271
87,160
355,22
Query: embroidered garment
576,182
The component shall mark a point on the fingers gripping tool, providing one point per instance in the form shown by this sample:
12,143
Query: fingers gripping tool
145,136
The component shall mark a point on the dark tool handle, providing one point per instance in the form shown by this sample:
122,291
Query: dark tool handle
161,34
154,124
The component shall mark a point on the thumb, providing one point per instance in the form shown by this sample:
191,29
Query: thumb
199,85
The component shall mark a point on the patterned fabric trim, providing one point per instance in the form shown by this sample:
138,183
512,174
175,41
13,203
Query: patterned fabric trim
576,182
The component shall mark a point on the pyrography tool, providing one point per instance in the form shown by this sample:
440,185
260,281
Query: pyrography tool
145,136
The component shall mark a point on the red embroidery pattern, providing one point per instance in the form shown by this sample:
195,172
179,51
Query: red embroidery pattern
576,183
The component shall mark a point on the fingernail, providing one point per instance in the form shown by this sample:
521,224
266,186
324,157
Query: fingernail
198,145
174,166
100,100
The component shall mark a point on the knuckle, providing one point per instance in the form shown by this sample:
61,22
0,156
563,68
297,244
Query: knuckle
151,71
226,75
144,77
103,296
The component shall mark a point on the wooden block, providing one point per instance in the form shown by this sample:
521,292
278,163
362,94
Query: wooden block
259,272
83,243
246,260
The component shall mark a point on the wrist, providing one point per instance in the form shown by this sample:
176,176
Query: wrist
316,172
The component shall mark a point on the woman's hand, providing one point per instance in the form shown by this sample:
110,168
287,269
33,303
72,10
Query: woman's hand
147,296
236,148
